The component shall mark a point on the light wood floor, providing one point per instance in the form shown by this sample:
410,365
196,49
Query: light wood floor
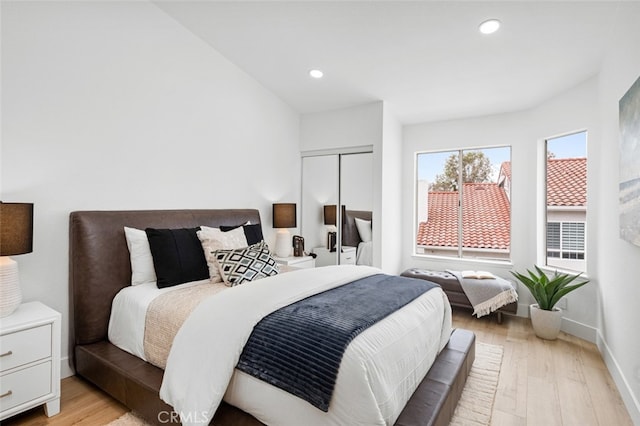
546,383
542,383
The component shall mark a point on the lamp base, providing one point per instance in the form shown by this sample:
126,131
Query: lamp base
331,241
283,243
10,295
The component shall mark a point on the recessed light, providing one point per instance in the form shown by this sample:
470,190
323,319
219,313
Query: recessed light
489,26
316,73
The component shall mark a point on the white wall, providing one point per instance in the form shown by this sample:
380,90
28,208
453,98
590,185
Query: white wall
618,262
359,126
112,105
525,132
390,202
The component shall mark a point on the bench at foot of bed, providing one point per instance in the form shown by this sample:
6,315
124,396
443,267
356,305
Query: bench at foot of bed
452,288
435,399
136,384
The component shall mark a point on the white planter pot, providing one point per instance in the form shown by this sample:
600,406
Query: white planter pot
546,324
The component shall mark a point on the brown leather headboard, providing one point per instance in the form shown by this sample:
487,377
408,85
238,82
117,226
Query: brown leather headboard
350,235
99,264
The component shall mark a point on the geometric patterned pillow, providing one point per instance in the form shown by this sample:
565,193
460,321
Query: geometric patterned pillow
247,264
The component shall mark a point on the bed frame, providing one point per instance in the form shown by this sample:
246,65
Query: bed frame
99,267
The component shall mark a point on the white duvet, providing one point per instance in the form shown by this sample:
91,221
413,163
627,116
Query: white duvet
364,254
379,372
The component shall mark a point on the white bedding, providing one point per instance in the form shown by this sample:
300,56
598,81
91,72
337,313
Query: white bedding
364,254
379,372
128,312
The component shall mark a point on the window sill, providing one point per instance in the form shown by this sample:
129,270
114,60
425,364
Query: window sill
465,263
550,270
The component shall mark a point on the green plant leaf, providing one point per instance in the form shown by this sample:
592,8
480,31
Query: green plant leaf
547,291
561,293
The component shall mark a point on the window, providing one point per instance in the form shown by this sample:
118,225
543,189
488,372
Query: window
566,195
464,203
565,240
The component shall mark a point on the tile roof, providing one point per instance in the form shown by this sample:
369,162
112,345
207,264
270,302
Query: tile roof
486,220
567,182
486,216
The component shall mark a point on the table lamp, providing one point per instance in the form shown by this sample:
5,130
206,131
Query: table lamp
284,216
16,237
330,220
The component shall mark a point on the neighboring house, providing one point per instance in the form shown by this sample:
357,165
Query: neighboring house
486,222
486,217
566,213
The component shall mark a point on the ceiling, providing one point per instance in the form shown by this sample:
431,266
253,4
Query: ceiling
426,59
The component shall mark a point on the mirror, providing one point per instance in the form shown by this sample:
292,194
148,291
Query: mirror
335,180
356,195
320,188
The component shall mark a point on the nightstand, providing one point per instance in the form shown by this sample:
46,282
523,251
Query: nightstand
325,257
30,360
296,261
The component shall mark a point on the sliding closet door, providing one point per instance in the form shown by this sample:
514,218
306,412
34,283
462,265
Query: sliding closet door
356,181
356,195
320,175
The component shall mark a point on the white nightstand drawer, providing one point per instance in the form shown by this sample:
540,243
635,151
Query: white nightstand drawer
307,263
348,258
296,261
25,385
26,346
348,255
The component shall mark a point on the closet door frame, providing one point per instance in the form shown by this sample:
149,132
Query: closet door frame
367,149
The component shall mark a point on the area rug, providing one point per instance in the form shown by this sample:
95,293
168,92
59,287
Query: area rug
474,407
476,402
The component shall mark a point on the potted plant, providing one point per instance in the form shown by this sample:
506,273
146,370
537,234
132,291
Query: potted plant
545,317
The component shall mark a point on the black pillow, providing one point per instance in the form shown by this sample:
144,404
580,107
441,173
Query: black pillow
177,256
253,233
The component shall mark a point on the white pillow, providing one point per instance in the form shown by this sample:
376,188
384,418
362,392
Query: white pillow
364,229
142,270
213,239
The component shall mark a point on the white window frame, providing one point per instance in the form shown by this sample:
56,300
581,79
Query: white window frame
543,208
562,250
458,250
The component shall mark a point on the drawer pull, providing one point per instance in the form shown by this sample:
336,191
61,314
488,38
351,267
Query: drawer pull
6,354
7,393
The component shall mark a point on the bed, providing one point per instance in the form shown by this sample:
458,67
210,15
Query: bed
351,235
100,268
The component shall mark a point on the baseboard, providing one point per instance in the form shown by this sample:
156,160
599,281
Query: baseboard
569,326
583,331
65,368
630,401
523,310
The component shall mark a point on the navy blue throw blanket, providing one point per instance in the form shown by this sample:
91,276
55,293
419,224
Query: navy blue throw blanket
298,348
